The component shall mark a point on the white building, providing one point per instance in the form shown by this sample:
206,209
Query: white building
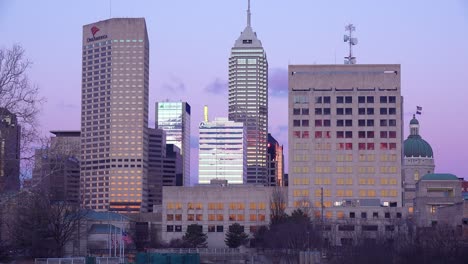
114,115
222,152
248,99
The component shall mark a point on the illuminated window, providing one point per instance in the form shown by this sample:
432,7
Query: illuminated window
261,206
170,205
261,217
253,217
211,206
253,206
232,217
340,193
349,193
178,217
371,193
190,217
170,217
220,217
220,206
211,217
416,175
199,217
362,193
339,214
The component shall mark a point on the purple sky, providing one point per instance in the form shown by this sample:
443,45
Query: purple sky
190,43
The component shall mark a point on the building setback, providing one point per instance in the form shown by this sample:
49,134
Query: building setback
345,136
10,138
114,159
248,99
174,119
222,152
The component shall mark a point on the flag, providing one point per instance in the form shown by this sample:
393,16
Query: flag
418,112
418,108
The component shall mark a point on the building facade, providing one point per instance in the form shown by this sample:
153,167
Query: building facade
275,162
174,119
215,208
222,153
435,191
114,160
418,161
345,136
248,99
10,137
156,156
57,168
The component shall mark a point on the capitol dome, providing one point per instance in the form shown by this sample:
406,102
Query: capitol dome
414,145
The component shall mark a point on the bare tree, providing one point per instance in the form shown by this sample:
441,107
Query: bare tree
278,205
20,97
39,227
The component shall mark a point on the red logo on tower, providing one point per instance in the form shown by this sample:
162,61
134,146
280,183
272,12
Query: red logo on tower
94,30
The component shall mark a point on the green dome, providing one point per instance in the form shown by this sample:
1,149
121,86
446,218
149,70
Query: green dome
415,146
414,121
439,177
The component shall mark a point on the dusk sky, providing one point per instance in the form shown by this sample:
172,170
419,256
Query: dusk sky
190,43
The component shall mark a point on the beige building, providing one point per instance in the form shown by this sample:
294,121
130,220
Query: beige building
114,117
215,207
345,136
434,191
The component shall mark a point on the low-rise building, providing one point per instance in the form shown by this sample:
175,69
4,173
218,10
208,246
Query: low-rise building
433,191
215,208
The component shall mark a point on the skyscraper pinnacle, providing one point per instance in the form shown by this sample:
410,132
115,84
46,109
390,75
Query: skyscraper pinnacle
248,14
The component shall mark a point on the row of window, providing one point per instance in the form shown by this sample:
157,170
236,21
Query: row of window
342,193
345,169
344,181
216,217
349,99
344,157
218,206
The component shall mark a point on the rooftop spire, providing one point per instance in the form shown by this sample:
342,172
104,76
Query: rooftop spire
248,14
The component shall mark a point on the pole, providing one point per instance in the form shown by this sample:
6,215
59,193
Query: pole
109,236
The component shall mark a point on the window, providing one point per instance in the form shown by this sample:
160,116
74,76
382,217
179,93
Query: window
340,111
348,111
392,134
170,217
370,122
305,123
305,111
220,229
392,99
339,134
339,99
318,99
370,134
190,217
361,111
326,122
297,134
318,123
387,215
383,111
392,111
340,122
349,122
349,99
296,111
253,217
352,215
370,146
375,215
370,111
361,99
178,228
305,134
349,134
392,122
211,228
318,111
219,217
326,99
318,134
363,215
383,99
170,228
296,123
361,122
370,99
326,111
383,134
178,217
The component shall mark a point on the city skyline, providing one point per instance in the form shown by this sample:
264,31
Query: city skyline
432,56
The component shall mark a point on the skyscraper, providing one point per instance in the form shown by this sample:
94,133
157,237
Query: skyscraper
174,119
114,115
345,136
9,151
248,98
222,151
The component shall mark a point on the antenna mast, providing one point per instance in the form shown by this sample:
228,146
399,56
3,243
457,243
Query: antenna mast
352,41
248,14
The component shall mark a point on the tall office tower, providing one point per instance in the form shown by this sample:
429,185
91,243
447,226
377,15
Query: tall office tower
174,118
222,152
114,115
275,162
57,167
248,98
418,161
345,136
9,152
156,155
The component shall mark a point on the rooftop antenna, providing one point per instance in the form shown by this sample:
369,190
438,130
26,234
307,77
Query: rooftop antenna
110,8
352,41
248,14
